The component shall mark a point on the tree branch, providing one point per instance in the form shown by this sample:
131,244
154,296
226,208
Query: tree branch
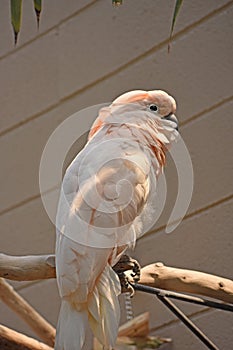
181,280
39,325
11,340
28,268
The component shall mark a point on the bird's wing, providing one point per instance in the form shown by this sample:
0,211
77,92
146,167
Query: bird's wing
78,267
104,190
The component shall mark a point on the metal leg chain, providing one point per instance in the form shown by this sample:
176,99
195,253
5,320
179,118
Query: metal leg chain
128,306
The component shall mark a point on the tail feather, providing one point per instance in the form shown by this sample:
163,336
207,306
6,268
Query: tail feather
104,309
100,315
72,329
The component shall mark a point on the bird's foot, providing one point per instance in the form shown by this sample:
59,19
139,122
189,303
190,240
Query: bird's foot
125,285
126,263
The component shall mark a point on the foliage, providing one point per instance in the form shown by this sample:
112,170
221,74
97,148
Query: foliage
16,14
175,14
140,343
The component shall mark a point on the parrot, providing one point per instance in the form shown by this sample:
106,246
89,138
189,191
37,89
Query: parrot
107,200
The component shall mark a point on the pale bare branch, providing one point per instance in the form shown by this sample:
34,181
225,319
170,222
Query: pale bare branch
28,268
12,340
188,281
37,323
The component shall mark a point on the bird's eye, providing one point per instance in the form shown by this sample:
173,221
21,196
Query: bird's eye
153,108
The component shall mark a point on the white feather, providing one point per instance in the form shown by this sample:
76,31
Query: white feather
103,209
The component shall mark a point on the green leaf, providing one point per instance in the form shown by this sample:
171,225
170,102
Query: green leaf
38,7
141,343
16,16
175,14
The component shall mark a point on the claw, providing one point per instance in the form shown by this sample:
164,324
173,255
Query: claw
125,285
131,291
136,271
124,282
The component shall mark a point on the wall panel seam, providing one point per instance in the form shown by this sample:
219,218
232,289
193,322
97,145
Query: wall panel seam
194,213
175,35
47,31
119,69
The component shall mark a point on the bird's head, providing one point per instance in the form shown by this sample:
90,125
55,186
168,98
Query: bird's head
157,102
156,106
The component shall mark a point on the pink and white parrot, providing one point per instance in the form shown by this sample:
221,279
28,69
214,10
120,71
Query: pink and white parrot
106,202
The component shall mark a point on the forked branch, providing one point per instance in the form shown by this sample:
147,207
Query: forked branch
37,323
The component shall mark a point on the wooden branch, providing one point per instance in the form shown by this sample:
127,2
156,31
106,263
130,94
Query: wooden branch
180,280
12,340
27,268
39,325
137,327
157,275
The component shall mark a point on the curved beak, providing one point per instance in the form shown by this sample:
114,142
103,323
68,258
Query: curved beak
172,118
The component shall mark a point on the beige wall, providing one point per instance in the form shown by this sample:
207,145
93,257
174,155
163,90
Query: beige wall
87,52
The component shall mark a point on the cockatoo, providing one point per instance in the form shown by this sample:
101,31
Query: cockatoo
105,204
